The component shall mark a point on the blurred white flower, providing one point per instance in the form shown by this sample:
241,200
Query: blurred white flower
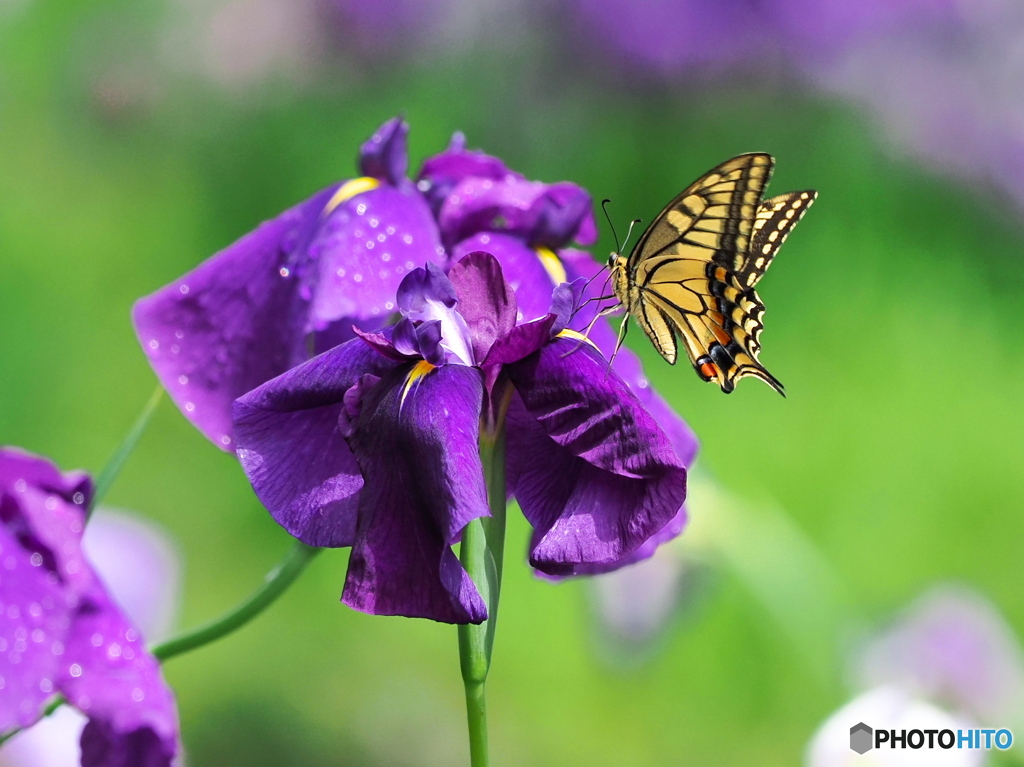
893,709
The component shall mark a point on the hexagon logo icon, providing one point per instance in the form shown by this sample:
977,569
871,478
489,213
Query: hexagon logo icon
860,738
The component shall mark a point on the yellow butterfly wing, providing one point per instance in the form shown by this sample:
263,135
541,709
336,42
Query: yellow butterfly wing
691,274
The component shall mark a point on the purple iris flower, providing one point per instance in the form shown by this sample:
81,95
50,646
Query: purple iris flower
375,445
336,260
60,631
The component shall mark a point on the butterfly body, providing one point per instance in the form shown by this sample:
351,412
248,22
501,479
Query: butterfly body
691,276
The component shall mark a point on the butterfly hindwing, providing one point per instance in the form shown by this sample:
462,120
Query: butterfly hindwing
691,275
774,221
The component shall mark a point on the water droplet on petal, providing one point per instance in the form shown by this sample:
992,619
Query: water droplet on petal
138,695
78,498
225,440
154,344
46,685
284,271
190,406
75,670
407,239
361,208
184,290
385,257
20,486
97,639
357,277
51,502
183,379
36,559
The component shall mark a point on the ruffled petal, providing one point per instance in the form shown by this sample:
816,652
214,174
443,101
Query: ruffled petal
591,469
416,442
441,173
364,248
385,154
293,452
646,550
233,322
523,270
541,214
108,674
486,302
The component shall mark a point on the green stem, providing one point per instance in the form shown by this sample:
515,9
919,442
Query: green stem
274,585
113,468
482,554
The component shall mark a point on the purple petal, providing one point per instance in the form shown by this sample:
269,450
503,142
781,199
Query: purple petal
646,550
591,469
566,300
233,322
627,364
416,445
427,294
385,155
486,302
540,214
365,248
292,450
108,674
522,341
35,606
443,172
523,269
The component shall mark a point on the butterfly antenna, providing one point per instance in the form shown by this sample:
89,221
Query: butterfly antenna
604,203
629,232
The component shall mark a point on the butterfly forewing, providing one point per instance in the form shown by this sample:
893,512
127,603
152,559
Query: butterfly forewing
692,273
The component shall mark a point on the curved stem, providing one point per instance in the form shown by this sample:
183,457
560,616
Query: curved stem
109,472
274,585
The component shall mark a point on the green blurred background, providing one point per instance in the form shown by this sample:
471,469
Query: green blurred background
893,319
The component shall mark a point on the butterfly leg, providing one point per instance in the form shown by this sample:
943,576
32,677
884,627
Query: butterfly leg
586,333
623,329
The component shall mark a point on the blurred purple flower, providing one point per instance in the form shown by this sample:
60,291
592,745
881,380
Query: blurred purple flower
671,38
950,661
62,633
374,445
954,648
140,567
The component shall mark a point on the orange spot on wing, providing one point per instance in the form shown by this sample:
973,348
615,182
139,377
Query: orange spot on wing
723,337
708,371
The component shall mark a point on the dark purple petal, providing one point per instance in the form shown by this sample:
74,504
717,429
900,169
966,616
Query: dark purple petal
566,300
385,155
417,446
364,249
108,674
522,341
523,268
443,172
591,469
486,302
540,214
233,322
292,449
627,364
427,294
103,746
646,550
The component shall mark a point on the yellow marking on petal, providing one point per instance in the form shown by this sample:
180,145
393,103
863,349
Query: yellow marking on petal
419,370
350,189
553,264
569,333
